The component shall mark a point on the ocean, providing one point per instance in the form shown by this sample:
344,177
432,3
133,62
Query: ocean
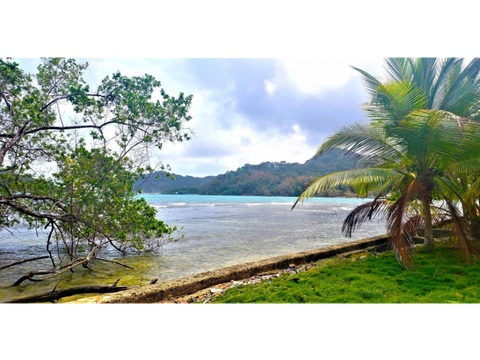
218,231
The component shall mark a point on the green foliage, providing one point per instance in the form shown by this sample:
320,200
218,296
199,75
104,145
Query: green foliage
420,144
89,201
97,189
158,182
279,179
437,277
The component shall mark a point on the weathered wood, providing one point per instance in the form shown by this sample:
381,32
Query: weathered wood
53,296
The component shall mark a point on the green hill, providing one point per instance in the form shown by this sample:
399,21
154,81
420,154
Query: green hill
158,182
265,179
280,178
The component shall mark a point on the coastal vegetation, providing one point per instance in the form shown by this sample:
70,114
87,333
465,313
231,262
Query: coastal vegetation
97,144
437,277
158,183
268,179
420,150
278,178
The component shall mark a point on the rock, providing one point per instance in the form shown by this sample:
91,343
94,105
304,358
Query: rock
217,291
363,257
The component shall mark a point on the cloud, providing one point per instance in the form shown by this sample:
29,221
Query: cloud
251,110
314,75
254,110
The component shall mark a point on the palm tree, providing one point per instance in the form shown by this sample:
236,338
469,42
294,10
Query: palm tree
421,120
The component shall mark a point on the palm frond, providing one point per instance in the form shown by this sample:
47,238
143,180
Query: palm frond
464,90
465,167
401,242
462,231
361,139
395,69
473,192
439,91
390,184
432,134
370,176
428,74
370,82
393,101
362,213
449,187
412,225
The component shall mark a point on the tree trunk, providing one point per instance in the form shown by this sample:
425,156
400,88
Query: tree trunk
427,218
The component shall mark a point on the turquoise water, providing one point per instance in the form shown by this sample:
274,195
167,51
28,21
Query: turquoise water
219,231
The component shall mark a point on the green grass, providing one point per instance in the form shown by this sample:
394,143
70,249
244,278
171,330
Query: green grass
440,276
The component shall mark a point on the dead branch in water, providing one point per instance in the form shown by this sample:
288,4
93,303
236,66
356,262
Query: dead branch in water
55,295
70,266
22,261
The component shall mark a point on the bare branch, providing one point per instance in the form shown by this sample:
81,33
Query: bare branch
58,294
22,261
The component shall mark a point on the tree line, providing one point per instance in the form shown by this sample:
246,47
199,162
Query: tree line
275,179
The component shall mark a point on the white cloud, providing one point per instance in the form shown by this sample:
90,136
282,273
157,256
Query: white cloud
269,86
317,75
233,146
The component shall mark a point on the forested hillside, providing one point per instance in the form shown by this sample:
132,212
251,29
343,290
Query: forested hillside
275,178
266,179
153,184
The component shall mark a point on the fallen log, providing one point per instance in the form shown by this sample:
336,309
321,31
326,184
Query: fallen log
55,295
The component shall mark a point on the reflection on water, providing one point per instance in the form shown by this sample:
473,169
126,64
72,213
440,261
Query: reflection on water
219,231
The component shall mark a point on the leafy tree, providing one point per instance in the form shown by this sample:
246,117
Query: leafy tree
89,200
422,120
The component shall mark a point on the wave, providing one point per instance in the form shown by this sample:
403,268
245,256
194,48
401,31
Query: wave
181,204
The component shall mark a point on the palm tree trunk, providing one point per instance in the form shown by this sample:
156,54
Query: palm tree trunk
427,218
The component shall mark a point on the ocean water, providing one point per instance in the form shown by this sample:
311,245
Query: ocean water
219,231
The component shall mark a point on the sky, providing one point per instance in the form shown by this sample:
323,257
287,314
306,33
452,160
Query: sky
248,110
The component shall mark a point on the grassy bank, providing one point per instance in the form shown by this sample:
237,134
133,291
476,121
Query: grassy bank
440,276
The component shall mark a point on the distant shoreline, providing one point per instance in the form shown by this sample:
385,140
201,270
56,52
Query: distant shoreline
327,197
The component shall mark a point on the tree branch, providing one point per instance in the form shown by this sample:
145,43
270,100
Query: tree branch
22,261
64,97
73,127
65,217
52,296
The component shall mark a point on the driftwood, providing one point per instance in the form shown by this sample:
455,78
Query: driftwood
55,295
